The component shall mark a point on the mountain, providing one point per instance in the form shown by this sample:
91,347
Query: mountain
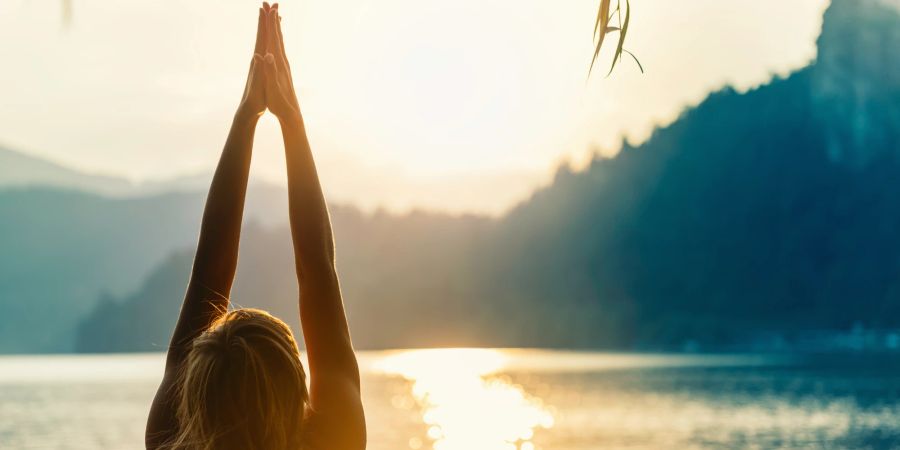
773,210
62,249
18,170
21,171
68,252
395,271
856,79
68,238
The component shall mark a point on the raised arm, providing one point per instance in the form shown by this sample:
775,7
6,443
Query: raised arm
338,422
216,259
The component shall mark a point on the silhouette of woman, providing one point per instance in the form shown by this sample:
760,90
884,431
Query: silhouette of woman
233,379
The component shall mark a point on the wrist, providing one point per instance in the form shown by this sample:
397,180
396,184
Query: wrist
246,118
291,118
291,121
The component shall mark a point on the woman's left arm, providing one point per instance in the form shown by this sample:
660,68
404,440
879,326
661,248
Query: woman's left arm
216,259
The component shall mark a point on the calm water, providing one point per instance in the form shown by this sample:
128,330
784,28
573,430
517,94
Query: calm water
470,399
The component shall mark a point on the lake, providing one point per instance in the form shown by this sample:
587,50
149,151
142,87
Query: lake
499,399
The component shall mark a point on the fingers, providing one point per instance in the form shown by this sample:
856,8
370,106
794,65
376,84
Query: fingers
279,39
271,45
257,70
271,78
268,64
285,64
261,33
276,46
256,76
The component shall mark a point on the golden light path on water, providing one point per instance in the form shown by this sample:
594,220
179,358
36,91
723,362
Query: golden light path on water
463,406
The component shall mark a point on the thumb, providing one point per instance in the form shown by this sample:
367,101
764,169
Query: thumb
257,69
271,72
256,79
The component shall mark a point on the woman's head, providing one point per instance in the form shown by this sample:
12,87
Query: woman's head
242,386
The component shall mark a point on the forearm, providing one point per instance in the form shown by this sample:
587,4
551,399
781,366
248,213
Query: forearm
325,327
215,262
310,221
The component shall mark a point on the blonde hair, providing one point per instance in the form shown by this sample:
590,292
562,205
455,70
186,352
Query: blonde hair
242,386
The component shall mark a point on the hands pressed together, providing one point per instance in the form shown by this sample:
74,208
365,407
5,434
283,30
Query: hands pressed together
269,83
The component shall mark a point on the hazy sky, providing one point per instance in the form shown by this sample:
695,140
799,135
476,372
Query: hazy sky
465,105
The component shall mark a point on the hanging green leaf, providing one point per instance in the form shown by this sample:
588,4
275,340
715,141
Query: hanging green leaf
635,60
603,27
618,54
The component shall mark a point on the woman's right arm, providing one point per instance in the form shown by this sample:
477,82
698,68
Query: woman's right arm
338,421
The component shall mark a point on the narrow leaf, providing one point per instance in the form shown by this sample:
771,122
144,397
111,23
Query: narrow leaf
601,13
618,53
619,10
600,26
635,60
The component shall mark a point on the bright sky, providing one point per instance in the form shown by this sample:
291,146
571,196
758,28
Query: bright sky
461,106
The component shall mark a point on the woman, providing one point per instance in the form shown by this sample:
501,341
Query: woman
233,380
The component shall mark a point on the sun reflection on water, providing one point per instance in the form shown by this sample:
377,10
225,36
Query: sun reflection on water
464,407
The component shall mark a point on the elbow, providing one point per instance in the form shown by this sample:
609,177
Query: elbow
320,270
316,258
350,366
